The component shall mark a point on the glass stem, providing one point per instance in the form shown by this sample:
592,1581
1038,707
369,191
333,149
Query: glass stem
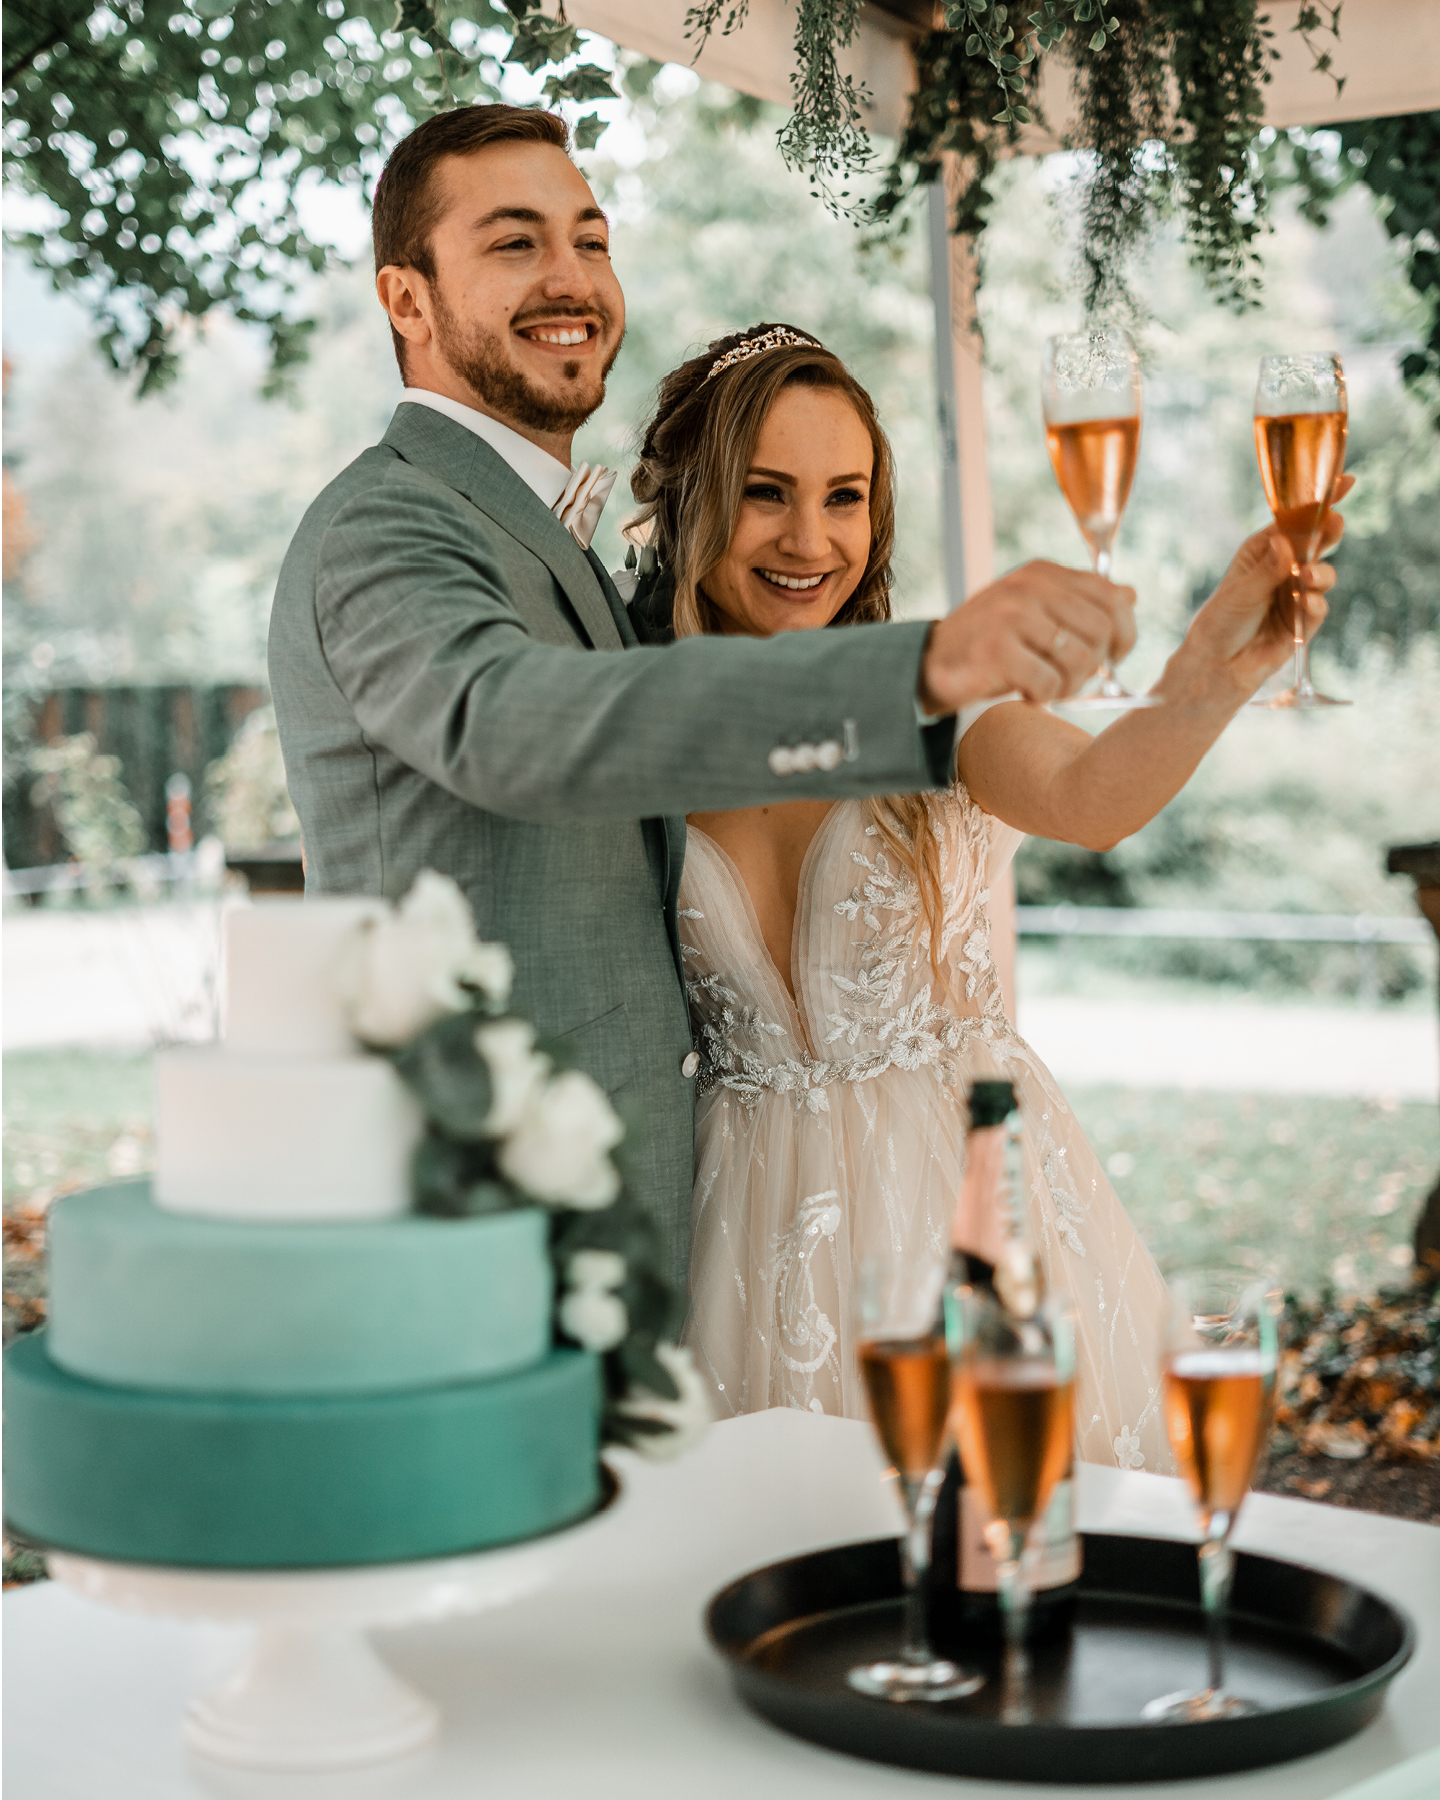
1108,683
1015,1616
1217,1571
920,1501
1302,648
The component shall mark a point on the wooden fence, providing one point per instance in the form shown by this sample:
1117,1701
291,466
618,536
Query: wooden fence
156,732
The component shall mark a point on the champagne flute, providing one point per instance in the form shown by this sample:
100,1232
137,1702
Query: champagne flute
1300,425
1220,1356
1090,393
906,1369
1013,1415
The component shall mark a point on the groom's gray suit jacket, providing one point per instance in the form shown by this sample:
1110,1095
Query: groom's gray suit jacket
441,705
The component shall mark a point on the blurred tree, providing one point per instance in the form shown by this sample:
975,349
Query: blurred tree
1398,159
249,803
101,828
175,139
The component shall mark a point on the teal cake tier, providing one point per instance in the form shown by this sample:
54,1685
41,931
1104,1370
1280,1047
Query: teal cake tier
297,1482
144,1298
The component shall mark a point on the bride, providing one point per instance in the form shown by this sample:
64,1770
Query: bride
842,988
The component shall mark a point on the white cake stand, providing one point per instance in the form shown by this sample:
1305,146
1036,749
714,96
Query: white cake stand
312,1694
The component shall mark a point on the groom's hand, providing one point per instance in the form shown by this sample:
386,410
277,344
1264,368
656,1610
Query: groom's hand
1041,631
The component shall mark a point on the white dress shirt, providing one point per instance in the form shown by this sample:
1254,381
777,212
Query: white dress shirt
540,471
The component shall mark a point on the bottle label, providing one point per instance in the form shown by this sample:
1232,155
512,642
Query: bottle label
1053,1546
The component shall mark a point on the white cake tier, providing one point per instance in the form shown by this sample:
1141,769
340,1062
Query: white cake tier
240,1136
284,961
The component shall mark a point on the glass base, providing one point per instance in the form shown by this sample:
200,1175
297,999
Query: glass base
905,1681
1209,1703
1297,699
1110,696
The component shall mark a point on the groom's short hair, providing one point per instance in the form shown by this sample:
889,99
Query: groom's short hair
407,208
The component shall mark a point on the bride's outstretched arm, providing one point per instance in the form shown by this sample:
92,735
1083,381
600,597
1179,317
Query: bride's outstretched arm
1047,777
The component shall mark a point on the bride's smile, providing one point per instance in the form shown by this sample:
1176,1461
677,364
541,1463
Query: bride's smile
802,537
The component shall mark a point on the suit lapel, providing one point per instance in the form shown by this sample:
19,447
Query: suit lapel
618,609
468,464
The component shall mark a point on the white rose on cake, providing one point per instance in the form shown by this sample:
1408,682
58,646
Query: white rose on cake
419,962
601,1269
688,1416
559,1151
517,1071
595,1319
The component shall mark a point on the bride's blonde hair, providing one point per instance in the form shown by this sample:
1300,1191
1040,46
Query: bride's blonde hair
690,482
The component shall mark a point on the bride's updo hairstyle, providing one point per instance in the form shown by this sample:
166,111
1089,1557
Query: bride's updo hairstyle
690,481
696,454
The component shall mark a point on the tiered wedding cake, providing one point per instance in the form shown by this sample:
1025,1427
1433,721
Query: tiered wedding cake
264,1358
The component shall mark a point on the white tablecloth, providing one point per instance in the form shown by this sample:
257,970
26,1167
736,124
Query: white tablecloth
606,1689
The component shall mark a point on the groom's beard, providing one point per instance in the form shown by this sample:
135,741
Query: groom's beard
479,357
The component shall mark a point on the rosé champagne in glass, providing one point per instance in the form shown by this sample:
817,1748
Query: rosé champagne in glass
1015,1423
905,1363
907,1382
1220,1356
1090,394
1301,417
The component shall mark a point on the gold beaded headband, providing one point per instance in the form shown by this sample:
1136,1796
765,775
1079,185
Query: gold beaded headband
781,338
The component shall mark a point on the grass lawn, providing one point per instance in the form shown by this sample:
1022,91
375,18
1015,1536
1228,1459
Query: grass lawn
1317,1189
72,1119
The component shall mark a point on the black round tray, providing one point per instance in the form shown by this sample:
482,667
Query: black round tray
1315,1651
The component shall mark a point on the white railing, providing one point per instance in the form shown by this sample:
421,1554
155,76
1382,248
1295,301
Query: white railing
157,870
1181,922
1366,931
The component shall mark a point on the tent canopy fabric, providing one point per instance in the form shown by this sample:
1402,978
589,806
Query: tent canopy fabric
1388,52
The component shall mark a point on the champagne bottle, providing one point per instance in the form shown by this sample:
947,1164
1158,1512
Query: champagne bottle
991,1247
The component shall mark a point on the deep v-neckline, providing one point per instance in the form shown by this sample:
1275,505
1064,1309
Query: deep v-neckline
790,991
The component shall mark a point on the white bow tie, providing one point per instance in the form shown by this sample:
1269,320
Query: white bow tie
579,508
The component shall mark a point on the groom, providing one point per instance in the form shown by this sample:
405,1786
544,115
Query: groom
456,680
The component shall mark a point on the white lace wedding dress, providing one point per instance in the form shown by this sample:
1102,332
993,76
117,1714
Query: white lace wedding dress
832,1126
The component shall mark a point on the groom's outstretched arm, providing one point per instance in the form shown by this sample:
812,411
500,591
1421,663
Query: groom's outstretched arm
421,637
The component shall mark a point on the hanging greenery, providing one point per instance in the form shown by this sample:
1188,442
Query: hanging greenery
1169,99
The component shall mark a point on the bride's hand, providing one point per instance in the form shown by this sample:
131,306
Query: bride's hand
1245,631
1040,631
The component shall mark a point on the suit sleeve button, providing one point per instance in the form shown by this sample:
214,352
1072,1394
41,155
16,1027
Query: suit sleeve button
690,1065
829,755
781,760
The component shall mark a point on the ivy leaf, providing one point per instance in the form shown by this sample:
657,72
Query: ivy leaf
1022,113
1098,41
587,82
539,41
588,131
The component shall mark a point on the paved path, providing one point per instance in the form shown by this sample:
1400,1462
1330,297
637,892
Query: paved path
1239,1046
132,978
121,980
